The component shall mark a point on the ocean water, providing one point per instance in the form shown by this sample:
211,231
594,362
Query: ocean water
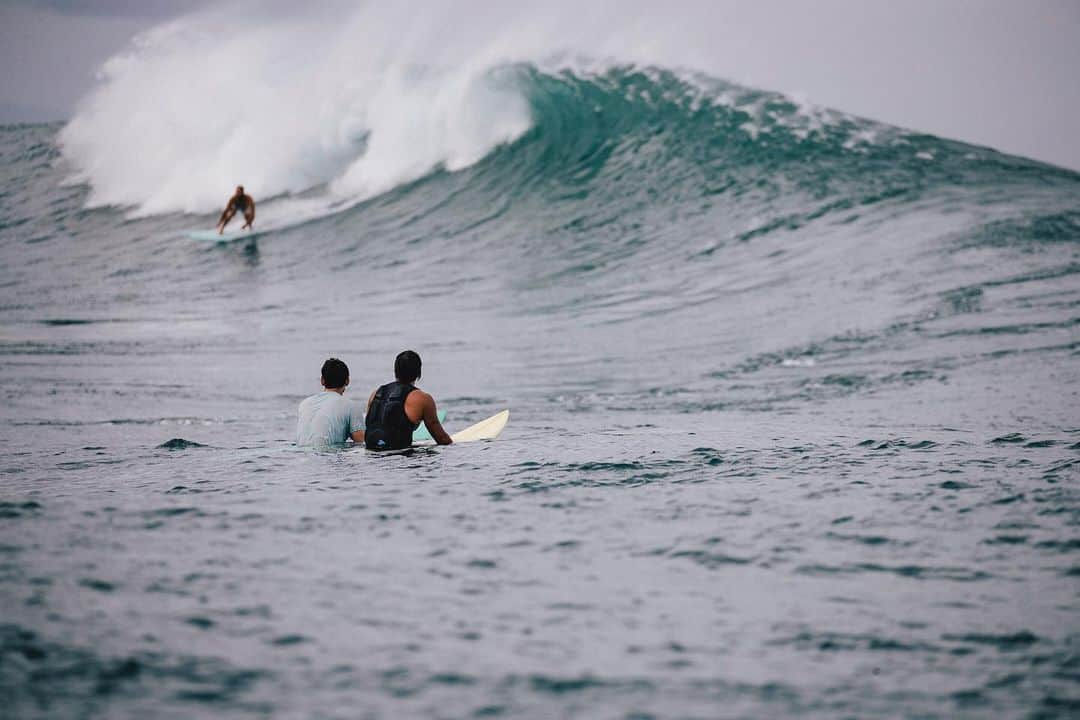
794,411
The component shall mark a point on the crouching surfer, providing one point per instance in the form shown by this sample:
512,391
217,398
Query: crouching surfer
328,418
241,203
396,409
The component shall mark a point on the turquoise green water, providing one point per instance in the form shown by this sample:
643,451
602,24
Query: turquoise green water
794,429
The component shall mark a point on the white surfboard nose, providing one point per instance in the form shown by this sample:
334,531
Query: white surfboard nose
488,429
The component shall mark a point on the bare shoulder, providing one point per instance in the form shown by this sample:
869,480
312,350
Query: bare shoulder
417,404
420,399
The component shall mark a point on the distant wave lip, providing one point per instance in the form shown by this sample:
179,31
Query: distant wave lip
62,322
180,444
122,421
916,572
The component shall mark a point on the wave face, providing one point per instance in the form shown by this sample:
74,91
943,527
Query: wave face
612,194
792,392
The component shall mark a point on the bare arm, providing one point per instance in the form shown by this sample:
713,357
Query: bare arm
431,419
356,435
227,214
249,216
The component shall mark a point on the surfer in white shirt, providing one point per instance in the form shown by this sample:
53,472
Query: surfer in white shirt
328,418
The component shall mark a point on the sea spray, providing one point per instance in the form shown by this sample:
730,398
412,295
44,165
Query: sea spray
350,99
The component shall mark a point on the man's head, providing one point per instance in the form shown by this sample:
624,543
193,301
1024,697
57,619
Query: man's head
407,367
335,374
239,189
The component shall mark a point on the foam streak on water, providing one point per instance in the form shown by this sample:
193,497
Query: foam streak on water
794,427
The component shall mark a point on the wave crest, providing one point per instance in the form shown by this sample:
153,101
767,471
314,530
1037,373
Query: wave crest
345,103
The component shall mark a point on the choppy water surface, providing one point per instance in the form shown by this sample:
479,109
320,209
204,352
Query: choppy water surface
794,430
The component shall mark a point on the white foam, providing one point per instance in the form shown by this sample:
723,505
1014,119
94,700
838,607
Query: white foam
352,99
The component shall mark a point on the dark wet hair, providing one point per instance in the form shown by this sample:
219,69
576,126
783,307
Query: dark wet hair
335,374
407,366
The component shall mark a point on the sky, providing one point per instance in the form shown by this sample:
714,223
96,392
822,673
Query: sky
1000,73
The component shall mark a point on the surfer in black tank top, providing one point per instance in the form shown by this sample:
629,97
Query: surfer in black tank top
386,414
396,409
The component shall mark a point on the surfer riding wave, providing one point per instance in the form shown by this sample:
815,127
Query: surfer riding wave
241,203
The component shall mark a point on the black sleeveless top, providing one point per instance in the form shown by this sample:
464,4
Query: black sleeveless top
240,203
387,427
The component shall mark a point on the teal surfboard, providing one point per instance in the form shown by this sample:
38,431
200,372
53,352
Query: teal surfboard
212,236
421,434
